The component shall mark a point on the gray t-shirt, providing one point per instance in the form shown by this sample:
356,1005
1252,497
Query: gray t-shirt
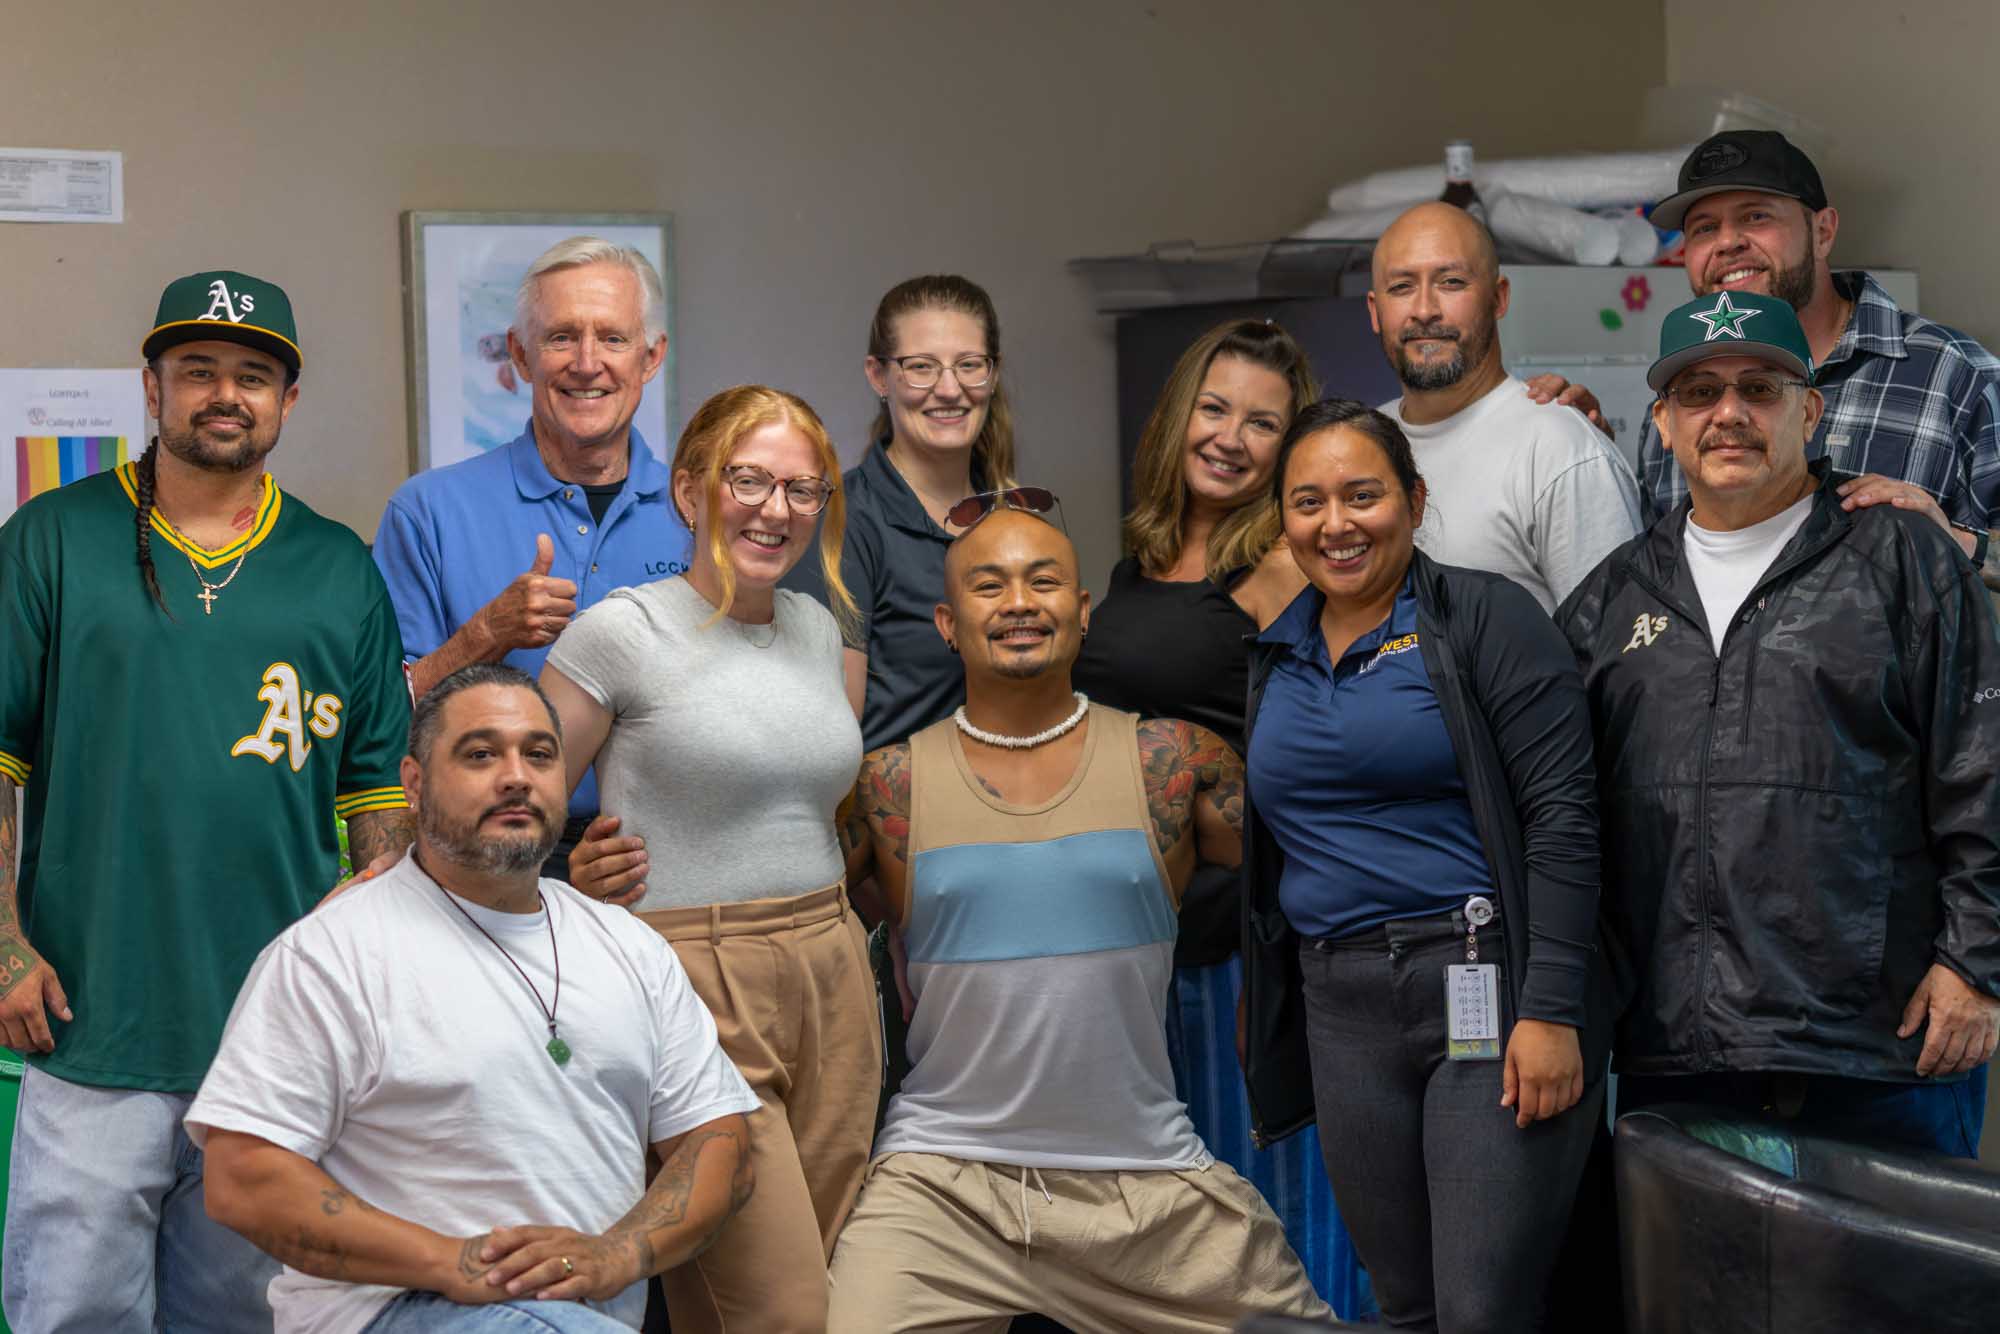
1532,492
731,745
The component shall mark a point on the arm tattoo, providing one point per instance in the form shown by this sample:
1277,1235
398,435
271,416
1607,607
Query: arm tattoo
665,1202
372,833
17,957
470,1266
882,797
1182,764
303,1250
333,1199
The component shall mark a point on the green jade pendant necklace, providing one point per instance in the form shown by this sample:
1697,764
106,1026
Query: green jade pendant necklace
557,1049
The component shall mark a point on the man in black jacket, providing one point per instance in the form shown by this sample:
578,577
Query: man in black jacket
1797,719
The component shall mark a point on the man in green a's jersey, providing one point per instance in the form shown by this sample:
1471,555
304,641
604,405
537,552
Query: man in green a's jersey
187,725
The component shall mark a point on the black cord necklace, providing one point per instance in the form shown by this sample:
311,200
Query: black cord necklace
558,1049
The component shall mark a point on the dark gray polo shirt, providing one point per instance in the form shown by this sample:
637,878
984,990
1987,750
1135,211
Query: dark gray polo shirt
893,565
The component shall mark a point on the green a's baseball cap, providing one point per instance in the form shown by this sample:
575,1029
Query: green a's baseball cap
1730,324
226,305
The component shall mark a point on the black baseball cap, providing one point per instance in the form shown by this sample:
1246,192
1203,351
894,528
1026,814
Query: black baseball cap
1742,160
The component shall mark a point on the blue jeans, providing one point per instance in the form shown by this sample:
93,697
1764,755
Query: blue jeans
428,1313
106,1229
1927,1117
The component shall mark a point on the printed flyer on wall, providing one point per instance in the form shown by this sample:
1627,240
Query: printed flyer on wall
59,425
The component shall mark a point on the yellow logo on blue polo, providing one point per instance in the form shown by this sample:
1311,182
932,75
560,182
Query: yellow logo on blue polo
1400,644
290,712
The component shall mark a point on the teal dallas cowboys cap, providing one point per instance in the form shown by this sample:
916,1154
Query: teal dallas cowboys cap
1731,324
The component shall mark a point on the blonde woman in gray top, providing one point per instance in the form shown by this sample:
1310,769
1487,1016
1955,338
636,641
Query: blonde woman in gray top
713,707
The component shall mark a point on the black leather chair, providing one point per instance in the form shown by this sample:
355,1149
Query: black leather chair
1733,1226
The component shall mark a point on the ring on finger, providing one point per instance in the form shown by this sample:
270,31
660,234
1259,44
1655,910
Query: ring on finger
568,1268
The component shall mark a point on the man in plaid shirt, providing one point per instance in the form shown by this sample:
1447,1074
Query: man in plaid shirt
1912,406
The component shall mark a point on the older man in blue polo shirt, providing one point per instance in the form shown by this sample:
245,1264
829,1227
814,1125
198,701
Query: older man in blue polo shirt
487,560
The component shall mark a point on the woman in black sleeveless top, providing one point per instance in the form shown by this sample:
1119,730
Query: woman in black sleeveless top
1206,568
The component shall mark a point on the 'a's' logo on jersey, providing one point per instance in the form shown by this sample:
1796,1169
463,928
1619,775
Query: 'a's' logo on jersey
225,305
1645,630
289,713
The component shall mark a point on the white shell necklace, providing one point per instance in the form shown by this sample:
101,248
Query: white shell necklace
1041,738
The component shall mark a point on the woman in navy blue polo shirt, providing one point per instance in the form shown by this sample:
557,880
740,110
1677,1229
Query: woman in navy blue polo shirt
1421,821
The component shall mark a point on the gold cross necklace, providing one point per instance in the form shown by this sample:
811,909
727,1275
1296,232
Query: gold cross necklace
208,590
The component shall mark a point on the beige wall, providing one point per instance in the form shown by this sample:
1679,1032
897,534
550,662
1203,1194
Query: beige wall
813,154
1905,92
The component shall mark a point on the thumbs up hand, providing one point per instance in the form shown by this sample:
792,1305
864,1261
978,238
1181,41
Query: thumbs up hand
532,610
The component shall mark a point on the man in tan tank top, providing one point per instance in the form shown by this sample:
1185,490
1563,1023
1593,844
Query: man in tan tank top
1032,849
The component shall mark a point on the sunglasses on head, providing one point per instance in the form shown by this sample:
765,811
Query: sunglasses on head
1028,499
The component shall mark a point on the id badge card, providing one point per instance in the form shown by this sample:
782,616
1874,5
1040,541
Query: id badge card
1472,1012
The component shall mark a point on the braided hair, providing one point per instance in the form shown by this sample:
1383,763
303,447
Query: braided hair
142,477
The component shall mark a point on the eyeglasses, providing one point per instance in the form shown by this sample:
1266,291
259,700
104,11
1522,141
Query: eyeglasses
752,486
1756,391
921,372
1028,499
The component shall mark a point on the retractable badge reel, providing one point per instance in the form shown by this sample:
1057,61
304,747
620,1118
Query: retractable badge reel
1472,994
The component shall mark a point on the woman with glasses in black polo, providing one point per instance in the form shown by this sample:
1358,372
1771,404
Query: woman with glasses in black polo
713,707
944,432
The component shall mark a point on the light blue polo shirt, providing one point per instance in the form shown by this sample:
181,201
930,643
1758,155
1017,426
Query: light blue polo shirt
453,538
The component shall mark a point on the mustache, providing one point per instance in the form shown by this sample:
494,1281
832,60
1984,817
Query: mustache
1732,437
236,415
506,807
1435,328
1021,623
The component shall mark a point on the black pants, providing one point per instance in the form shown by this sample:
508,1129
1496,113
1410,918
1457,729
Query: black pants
1457,1213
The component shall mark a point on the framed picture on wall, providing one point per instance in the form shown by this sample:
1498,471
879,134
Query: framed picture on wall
460,275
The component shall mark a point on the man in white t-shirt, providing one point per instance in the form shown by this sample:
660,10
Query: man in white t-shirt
436,1093
1796,713
1535,493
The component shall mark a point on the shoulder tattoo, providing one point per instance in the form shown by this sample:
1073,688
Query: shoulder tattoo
1180,764
882,796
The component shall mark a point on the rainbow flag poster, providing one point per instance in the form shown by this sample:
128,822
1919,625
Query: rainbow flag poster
45,462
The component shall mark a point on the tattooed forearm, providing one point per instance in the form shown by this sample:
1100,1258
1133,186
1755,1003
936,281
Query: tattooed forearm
303,1250
17,957
372,833
670,1198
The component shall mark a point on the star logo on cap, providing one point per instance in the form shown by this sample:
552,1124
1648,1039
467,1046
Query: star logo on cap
1722,319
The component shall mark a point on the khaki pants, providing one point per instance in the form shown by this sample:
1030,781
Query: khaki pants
794,1004
947,1244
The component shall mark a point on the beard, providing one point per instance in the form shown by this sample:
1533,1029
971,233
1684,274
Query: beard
190,445
1793,284
1468,350
460,842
